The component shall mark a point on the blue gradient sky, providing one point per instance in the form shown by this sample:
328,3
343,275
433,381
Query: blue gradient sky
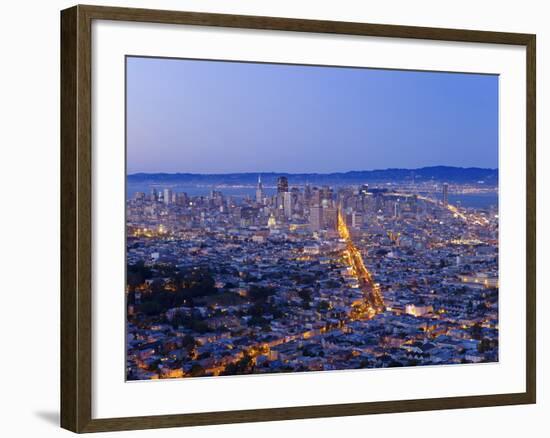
222,117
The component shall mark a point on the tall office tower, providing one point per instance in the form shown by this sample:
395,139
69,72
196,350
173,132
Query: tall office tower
288,204
259,191
154,195
236,213
216,198
326,193
344,194
378,202
356,219
307,193
315,199
396,208
362,197
167,196
298,201
282,184
316,218
445,194
330,218
181,198
279,201
248,214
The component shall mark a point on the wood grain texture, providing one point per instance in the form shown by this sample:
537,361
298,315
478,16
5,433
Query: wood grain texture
300,25
69,387
76,219
531,213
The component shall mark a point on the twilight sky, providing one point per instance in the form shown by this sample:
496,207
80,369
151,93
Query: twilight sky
223,117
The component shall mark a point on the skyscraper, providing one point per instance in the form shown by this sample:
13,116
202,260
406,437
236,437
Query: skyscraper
316,218
216,198
396,209
282,184
445,194
330,218
307,193
167,196
259,191
356,219
288,204
315,198
181,198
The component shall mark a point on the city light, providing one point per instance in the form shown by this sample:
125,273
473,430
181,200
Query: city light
293,277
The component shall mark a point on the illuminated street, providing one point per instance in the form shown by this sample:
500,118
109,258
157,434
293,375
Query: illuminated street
321,279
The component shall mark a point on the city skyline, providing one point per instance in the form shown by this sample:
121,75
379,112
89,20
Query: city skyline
378,118
312,278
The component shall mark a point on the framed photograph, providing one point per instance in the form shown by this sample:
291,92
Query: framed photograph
270,218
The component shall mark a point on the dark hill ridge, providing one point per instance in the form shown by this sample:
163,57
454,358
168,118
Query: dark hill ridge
435,173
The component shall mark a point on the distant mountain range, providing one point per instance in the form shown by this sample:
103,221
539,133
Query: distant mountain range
435,173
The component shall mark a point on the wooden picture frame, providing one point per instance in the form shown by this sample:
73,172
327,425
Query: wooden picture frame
76,218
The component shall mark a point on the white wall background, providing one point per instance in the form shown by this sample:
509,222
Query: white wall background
29,213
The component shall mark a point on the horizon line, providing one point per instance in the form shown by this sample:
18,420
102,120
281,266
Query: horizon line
311,173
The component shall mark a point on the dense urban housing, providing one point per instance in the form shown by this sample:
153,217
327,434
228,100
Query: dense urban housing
287,276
